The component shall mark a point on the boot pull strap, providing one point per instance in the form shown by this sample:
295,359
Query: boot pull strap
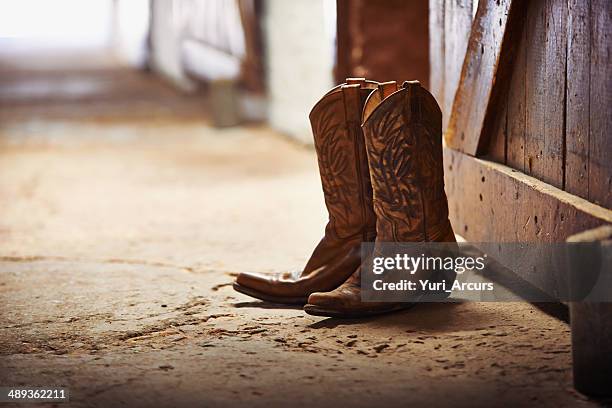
408,84
352,103
362,82
387,88
414,103
353,81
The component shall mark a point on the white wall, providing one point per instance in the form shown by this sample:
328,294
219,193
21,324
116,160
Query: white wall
131,28
298,37
58,24
165,39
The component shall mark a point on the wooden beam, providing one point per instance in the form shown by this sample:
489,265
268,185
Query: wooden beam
491,202
485,74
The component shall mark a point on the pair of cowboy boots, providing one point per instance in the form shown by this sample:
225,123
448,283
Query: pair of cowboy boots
379,149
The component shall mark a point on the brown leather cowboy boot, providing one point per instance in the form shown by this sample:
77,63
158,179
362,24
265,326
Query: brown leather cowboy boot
403,131
343,164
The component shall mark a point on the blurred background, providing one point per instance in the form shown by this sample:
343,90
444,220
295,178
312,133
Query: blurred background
152,129
259,60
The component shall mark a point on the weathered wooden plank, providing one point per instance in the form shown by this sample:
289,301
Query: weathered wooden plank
515,145
484,75
577,99
554,95
600,138
535,95
457,26
436,49
496,149
491,202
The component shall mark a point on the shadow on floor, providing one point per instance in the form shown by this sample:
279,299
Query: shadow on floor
266,305
428,317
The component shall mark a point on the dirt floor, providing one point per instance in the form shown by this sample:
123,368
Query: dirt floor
119,240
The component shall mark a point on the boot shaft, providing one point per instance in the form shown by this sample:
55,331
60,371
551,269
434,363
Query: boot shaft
403,136
342,159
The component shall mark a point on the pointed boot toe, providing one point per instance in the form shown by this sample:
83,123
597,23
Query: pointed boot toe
345,303
252,280
324,300
327,304
269,288
342,302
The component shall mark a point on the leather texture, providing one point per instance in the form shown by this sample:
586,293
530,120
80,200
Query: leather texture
345,177
403,133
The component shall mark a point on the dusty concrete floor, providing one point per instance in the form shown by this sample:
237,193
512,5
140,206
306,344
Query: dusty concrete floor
119,239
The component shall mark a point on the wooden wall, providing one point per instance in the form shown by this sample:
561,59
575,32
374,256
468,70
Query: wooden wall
524,86
556,118
553,121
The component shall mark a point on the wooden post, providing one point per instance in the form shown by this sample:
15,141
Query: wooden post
224,105
368,40
592,321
